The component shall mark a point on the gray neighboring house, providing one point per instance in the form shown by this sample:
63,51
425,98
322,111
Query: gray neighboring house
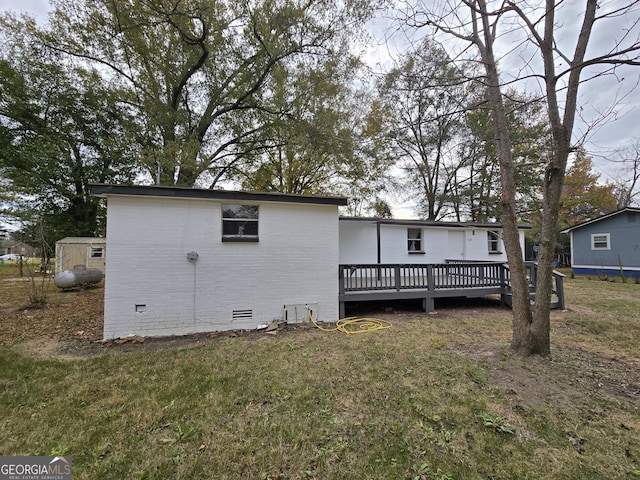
607,245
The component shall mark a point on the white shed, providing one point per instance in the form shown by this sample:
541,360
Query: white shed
88,251
376,241
184,260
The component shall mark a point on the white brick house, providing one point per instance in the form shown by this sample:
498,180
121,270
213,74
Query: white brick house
184,260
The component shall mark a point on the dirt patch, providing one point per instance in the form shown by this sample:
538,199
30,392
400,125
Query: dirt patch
79,348
567,376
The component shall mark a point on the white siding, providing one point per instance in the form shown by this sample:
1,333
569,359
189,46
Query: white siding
294,262
394,247
358,244
478,246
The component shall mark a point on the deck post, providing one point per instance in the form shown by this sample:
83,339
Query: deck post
341,287
560,290
428,304
342,312
431,282
533,277
396,274
503,286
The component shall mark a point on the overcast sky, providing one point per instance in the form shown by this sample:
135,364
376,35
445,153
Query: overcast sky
596,96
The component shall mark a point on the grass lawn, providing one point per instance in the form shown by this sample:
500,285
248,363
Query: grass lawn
434,397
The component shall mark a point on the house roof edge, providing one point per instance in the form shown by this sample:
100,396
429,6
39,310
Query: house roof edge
601,217
430,223
104,190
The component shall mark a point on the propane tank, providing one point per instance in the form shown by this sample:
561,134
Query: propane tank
80,276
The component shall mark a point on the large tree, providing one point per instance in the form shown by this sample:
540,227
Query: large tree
198,74
61,129
426,96
560,65
583,196
321,146
478,184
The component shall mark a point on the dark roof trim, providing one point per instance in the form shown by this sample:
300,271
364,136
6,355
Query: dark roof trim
429,223
602,217
103,190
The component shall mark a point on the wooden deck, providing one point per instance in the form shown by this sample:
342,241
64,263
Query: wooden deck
358,283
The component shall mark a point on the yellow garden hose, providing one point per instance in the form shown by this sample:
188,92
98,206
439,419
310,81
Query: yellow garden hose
353,325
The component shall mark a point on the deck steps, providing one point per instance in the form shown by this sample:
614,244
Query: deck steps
507,299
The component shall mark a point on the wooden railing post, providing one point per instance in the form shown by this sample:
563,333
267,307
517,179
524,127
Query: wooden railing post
431,281
396,275
341,281
534,274
503,285
559,278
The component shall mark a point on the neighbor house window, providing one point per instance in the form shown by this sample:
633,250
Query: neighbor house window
600,241
96,252
239,223
493,239
414,240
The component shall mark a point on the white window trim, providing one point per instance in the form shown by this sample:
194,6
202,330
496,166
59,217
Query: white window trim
240,237
593,244
491,240
419,239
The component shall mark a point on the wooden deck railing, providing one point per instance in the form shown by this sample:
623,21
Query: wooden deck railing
360,278
453,275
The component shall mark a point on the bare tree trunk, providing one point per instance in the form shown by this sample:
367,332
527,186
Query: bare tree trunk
561,129
522,340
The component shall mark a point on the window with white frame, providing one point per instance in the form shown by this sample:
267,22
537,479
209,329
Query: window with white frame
414,240
600,241
239,223
493,241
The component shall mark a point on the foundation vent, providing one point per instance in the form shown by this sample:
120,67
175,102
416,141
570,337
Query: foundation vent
242,315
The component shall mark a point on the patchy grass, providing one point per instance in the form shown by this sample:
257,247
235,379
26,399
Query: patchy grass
435,397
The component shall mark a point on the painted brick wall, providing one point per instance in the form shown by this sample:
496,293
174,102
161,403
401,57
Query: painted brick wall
152,289
358,242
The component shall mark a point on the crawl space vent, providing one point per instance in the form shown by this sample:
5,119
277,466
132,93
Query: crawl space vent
242,314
